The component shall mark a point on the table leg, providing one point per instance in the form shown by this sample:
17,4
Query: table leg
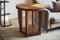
32,19
26,22
39,21
46,16
20,19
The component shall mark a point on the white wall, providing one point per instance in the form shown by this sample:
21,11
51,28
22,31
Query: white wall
11,8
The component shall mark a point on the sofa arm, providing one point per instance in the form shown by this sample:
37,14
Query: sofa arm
48,13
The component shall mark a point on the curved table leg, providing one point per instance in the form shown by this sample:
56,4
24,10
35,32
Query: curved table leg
1,38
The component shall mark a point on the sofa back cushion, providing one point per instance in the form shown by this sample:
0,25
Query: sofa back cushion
56,6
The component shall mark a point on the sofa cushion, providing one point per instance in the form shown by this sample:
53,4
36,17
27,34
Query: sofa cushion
56,6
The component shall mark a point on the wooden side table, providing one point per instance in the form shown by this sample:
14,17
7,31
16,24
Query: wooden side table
29,30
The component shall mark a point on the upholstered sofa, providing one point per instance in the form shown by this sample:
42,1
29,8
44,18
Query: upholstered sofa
53,12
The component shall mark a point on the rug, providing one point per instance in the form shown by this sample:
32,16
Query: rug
12,33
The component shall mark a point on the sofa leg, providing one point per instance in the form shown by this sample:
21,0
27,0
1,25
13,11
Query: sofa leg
50,25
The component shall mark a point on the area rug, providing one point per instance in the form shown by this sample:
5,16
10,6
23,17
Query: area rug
12,33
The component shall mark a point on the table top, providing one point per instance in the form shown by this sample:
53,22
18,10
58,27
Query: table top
27,6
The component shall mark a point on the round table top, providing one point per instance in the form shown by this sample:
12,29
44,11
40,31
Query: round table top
26,6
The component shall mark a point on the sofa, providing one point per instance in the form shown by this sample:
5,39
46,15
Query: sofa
53,12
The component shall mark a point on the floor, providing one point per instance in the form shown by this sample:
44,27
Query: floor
12,33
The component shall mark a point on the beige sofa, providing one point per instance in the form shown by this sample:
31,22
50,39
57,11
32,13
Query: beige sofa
53,12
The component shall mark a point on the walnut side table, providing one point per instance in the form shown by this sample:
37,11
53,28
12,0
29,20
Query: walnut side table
29,30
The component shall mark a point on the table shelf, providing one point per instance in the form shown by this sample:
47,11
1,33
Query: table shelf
4,2
30,30
4,13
